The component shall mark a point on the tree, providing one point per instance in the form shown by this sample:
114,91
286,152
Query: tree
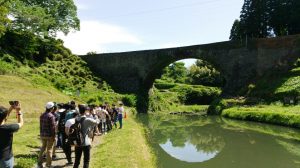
44,17
236,31
267,18
176,72
202,73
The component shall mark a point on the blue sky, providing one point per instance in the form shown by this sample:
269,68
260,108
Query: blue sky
119,25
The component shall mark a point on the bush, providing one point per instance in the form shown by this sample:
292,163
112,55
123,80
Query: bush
129,100
162,85
200,95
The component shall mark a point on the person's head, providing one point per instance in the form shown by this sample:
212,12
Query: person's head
55,107
49,106
3,114
72,105
82,109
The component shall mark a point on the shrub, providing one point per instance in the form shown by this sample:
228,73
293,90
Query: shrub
129,100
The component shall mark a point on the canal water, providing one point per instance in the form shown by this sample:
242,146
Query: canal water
215,142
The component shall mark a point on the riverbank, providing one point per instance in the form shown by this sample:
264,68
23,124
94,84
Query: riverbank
273,114
126,147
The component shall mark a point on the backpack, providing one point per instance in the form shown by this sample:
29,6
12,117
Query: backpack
61,123
76,136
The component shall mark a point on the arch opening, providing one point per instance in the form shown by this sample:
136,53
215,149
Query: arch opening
175,84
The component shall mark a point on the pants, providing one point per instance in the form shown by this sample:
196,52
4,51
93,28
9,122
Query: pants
86,154
47,145
108,123
120,118
66,147
7,163
102,125
59,140
115,121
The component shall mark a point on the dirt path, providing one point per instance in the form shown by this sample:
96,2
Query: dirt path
60,161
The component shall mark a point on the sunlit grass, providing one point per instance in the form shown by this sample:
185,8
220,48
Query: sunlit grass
274,114
125,147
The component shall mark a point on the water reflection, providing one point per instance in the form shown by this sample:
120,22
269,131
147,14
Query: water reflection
211,142
187,153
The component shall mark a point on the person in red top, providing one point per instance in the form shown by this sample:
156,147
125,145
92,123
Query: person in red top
6,134
47,133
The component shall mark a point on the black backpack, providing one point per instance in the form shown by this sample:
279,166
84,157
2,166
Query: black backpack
61,123
76,136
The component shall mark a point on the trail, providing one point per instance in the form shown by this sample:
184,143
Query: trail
60,161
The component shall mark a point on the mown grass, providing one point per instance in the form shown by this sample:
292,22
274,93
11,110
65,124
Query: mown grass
125,147
32,98
273,114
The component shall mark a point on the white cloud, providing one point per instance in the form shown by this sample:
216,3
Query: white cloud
94,35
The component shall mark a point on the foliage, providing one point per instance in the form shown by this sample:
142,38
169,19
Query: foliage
266,18
3,19
50,59
129,100
276,86
280,115
43,17
176,72
189,94
218,105
203,73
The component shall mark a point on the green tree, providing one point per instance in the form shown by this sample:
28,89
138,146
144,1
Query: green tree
267,18
176,72
44,17
235,33
202,73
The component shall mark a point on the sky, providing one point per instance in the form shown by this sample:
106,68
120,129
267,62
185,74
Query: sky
130,25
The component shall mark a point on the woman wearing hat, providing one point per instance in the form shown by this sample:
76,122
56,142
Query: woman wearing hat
6,134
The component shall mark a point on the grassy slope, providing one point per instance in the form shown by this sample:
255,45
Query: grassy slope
33,99
125,147
272,88
127,142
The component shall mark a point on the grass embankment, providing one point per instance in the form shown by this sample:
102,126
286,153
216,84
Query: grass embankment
175,97
266,100
127,147
33,99
273,114
121,148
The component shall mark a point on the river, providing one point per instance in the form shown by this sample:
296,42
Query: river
215,142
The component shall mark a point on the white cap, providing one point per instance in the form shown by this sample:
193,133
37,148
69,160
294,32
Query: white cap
49,105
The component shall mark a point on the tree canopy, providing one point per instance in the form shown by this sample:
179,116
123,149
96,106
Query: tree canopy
267,18
41,17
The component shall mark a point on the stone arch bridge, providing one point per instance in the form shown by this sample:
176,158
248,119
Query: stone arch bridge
239,62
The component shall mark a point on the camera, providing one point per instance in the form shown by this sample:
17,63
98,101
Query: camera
14,103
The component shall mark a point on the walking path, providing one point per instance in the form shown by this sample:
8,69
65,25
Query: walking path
60,161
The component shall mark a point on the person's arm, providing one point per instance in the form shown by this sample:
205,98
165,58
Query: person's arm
9,110
19,115
52,126
67,129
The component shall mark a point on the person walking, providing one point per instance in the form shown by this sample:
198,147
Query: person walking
6,134
87,125
47,134
120,115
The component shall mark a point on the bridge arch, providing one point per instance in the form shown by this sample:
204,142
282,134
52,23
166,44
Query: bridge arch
239,63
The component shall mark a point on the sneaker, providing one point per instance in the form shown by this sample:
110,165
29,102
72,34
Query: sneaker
69,163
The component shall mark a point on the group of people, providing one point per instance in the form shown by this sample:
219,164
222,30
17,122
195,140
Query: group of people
62,126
